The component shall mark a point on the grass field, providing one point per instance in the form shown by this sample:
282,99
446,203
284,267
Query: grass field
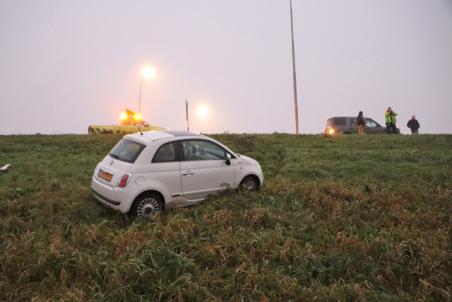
349,219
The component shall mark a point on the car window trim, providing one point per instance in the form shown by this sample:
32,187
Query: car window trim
176,149
136,155
203,140
340,118
369,119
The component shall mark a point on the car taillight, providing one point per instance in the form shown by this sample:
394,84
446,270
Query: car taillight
124,180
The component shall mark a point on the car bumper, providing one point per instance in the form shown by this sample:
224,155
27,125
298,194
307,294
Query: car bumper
115,198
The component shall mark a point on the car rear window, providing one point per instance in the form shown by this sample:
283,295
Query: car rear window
127,150
340,121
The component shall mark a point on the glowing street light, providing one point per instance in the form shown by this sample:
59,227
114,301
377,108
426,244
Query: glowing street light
202,112
148,72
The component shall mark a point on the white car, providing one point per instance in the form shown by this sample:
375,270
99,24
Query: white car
146,172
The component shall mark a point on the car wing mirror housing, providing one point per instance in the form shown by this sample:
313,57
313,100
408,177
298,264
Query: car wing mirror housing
228,159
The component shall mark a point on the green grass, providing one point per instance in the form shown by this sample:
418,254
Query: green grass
350,219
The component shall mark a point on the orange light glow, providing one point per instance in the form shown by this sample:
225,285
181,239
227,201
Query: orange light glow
123,116
138,117
331,131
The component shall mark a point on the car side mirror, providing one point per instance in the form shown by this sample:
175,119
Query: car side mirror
228,159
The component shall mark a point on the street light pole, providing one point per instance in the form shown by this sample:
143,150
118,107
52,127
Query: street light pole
139,96
295,100
186,114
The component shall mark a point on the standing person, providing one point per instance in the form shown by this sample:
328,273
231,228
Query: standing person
360,122
390,119
414,125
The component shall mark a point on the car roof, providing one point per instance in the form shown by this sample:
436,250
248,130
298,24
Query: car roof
333,117
342,117
151,136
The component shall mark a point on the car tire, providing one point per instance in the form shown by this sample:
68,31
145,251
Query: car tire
146,205
250,183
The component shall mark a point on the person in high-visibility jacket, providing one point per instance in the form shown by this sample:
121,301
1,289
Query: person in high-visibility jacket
390,119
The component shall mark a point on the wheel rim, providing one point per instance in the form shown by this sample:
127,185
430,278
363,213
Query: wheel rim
250,185
147,207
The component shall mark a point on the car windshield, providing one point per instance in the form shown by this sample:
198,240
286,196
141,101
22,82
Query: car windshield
126,150
371,123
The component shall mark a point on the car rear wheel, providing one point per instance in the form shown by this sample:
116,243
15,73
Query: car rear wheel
146,205
250,183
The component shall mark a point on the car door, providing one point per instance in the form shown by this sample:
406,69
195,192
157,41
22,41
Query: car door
352,125
204,169
163,173
373,127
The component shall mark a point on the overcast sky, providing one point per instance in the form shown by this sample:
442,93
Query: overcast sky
67,64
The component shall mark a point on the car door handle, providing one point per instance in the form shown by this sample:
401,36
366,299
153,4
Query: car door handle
187,173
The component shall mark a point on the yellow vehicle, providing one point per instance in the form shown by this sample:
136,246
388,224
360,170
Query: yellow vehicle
131,122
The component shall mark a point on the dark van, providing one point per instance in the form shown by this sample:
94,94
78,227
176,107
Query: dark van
347,125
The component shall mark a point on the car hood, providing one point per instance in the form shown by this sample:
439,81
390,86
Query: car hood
248,160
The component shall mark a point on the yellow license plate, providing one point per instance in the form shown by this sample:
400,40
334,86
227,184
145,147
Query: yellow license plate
105,175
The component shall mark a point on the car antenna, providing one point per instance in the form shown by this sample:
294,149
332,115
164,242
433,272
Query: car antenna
139,129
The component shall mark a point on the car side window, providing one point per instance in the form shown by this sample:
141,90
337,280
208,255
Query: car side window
371,124
340,121
165,153
202,150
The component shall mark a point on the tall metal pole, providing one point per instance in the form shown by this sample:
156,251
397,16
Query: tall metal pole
139,96
186,114
295,97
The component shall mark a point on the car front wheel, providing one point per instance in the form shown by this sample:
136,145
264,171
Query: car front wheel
250,183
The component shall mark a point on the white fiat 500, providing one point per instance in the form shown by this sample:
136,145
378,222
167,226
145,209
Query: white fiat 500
146,172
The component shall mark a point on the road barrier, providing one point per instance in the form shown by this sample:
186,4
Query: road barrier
117,129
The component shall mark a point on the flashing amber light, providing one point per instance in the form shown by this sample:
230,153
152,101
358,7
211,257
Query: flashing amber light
331,131
123,116
138,117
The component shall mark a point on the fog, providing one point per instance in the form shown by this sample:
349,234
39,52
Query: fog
68,64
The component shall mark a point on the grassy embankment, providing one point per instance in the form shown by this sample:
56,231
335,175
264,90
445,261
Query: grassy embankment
350,218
